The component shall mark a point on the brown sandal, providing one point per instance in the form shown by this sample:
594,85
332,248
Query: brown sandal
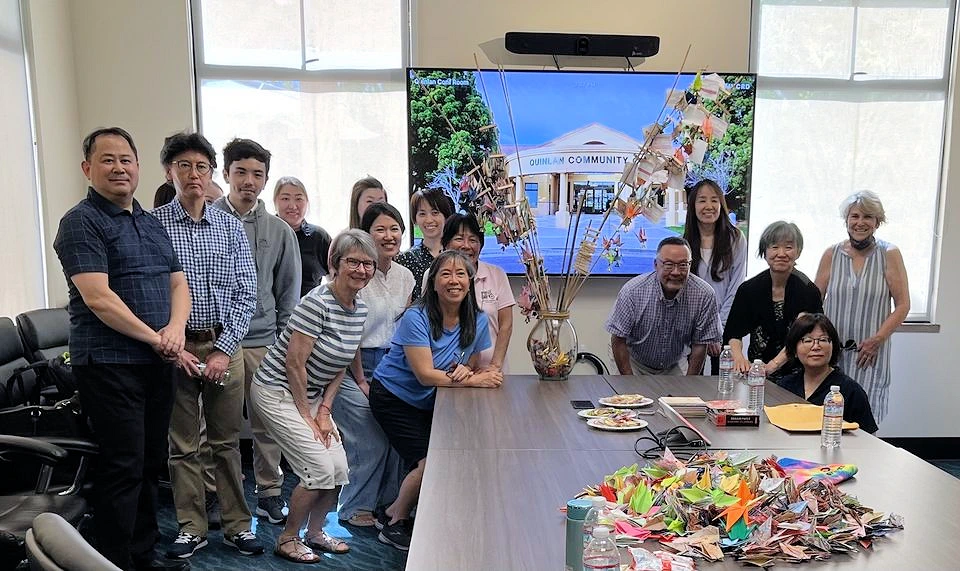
324,542
301,553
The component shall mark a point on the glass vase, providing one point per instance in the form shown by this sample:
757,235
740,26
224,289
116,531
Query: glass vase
553,346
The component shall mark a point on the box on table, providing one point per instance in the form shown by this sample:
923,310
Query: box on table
731,413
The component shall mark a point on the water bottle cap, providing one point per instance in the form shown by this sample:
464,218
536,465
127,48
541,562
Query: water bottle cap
725,347
835,388
601,531
599,501
757,362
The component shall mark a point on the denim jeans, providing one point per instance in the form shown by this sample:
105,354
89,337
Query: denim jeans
374,466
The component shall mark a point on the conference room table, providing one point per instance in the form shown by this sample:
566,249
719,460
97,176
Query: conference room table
503,462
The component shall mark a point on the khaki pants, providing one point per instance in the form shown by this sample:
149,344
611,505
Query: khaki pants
642,370
222,412
266,452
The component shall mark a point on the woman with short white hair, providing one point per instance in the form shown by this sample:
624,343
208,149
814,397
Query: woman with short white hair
858,278
295,386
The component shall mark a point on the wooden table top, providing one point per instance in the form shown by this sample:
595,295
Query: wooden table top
523,414
500,509
502,462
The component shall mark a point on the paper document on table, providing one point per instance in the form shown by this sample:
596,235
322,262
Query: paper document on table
797,417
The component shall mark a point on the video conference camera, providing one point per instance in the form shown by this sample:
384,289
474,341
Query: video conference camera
606,45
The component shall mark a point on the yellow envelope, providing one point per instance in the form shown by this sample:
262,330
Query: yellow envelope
797,417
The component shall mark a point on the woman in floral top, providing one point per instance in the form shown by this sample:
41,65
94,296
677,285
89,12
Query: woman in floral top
430,209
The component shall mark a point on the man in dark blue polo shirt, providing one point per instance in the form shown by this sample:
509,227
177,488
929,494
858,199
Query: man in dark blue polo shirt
129,304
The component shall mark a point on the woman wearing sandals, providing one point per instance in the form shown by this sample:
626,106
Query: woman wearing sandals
295,386
437,344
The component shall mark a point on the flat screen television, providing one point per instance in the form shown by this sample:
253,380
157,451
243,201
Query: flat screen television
570,134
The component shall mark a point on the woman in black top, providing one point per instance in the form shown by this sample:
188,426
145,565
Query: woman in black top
766,304
813,340
291,201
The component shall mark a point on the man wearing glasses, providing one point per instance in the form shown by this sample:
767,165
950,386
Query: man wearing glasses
216,258
276,256
658,315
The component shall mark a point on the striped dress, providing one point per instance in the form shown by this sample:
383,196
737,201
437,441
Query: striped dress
337,331
857,305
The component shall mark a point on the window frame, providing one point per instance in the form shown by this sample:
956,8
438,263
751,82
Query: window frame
204,71
852,87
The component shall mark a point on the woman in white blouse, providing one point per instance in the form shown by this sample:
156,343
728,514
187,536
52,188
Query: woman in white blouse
374,466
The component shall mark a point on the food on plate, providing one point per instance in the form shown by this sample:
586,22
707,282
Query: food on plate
625,399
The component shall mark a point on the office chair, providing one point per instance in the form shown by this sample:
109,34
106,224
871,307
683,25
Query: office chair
55,545
45,333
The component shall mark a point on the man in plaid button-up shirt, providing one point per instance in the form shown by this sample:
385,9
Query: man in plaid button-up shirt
216,258
658,315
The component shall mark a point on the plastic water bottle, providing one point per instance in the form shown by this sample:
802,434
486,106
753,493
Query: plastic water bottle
591,521
756,379
832,419
725,382
602,552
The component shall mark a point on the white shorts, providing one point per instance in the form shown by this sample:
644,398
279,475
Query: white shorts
319,467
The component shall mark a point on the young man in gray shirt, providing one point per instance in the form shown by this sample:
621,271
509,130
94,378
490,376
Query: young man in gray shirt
276,255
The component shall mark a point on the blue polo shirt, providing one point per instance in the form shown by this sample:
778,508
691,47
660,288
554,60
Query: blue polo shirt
394,371
134,250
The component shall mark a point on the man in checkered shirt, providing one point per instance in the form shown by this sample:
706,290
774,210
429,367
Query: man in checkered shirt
658,315
216,258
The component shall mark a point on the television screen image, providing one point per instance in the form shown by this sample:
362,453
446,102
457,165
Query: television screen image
567,136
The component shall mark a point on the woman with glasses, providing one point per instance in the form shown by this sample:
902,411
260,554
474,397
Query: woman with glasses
437,344
294,389
292,203
718,248
813,341
462,233
859,277
374,466
766,304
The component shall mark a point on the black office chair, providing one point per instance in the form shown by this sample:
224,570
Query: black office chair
45,333
55,545
18,509
590,360
11,359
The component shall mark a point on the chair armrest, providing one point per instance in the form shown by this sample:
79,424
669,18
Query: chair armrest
47,452
79,445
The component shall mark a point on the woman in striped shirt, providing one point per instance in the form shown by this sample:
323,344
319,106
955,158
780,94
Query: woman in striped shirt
295,386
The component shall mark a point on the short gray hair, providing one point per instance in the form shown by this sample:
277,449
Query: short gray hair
868,202
349,241
780,232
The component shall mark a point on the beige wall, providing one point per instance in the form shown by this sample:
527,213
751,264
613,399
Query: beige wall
128,63
717,31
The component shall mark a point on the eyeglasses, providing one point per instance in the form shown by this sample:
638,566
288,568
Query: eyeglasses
809,341
353,263
186,166
670,266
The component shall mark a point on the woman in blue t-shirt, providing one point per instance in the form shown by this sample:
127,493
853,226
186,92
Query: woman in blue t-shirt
437,344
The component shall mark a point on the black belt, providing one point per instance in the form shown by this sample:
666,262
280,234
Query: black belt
204,335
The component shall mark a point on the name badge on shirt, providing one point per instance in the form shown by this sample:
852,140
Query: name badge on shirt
487,296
